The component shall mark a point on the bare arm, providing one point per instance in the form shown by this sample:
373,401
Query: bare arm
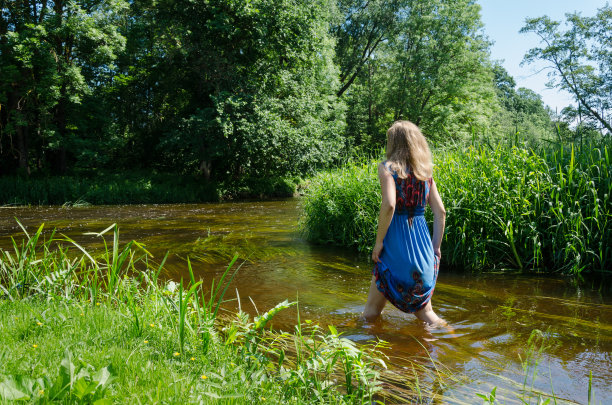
387,185
435,202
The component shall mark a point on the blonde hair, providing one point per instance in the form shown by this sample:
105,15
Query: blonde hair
407,150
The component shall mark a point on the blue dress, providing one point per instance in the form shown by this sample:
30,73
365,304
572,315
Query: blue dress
407,271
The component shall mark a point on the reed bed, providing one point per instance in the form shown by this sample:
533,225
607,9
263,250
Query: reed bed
136,188
507,208
81,327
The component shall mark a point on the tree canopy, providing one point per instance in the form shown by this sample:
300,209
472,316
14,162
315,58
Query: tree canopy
241,88
579,59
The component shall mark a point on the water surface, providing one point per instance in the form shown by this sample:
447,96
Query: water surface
493,315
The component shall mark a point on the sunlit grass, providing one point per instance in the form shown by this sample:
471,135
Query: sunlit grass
158,340
508,208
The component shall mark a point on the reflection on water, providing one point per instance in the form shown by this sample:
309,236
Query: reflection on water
493,315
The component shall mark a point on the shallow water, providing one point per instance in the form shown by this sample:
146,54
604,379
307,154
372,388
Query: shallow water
492,315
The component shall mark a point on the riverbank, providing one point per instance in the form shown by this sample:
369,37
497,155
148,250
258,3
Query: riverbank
83,328
507,208
137,188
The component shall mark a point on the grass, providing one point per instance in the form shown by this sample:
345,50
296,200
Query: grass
508,208
341,206
136,188
514,208
81,327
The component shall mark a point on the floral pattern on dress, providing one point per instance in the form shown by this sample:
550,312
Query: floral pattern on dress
410,299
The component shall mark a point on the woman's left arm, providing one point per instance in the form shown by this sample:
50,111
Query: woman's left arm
387,185
439,212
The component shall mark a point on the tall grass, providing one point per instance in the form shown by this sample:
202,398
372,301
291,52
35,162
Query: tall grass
515,208
136,188
341,206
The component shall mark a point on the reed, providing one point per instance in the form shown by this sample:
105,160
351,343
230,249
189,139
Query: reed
341,206
546,210
137,188
508,208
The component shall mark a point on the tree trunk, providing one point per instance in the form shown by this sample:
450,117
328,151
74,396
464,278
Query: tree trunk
22,148
205,169
60,122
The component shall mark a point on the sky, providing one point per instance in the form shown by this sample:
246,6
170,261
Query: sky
502,21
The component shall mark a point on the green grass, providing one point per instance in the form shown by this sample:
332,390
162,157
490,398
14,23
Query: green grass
78,327
341,206
136,188
508,208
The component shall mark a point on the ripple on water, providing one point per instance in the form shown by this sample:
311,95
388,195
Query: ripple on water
499,339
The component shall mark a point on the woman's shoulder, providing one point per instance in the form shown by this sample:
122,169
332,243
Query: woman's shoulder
385,166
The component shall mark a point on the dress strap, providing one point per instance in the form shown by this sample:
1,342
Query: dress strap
387,165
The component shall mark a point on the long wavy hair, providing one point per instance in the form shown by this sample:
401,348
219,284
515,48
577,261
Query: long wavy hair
407,150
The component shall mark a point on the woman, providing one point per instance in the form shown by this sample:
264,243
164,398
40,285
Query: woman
406,260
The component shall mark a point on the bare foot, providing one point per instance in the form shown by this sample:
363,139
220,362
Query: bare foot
442,324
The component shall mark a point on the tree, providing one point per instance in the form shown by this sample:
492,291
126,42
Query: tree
361,28
442,80
431,68
522,110
53,54
241,88
579,59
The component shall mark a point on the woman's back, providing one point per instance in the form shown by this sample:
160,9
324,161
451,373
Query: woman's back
407,270
406,259
410,193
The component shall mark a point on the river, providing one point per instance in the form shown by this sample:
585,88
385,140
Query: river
492,314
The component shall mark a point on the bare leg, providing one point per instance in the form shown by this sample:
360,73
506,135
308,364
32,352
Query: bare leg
376,303
426,314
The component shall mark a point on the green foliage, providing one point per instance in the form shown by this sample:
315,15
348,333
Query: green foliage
79,383
137,188
523,114
489,399
424,61
261,100
579,60
53,55
441,79
341,206
217,88
547,211
507,208
248,94
360,28
55,295
232,91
